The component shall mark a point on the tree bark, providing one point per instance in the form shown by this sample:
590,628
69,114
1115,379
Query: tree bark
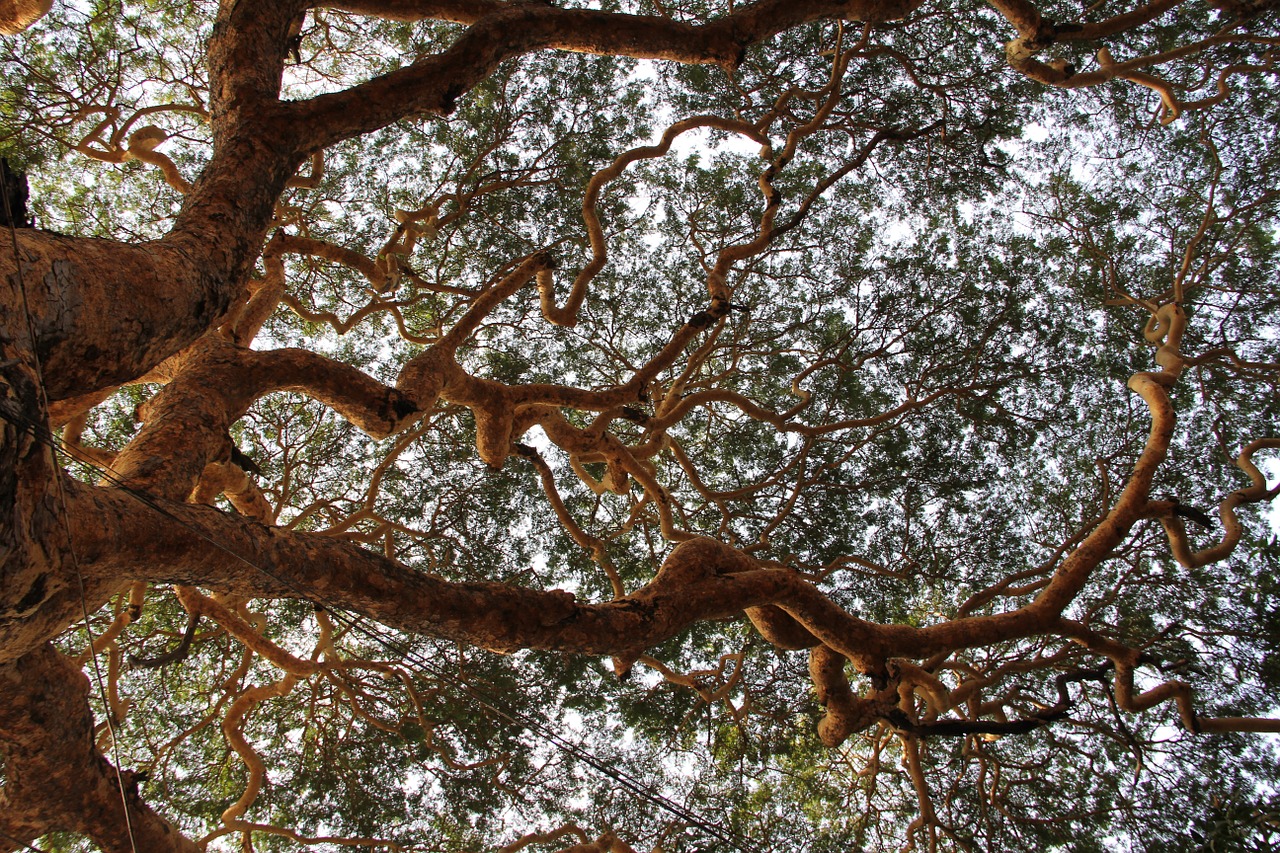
55,778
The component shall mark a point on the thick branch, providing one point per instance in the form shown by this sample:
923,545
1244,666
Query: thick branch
501,31
55,778
119,537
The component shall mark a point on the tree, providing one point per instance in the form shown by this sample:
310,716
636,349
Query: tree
405,402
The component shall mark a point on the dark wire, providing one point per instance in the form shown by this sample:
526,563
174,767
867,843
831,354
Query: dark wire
66,522
24,845
354,625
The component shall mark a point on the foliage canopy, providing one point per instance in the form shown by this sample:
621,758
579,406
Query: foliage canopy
639,425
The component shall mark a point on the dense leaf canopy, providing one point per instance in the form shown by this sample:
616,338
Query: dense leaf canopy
636,425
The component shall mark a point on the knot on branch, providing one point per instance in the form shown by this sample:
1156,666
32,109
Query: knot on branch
1048,33
1020,54
702,320
700,559
546,260
635,415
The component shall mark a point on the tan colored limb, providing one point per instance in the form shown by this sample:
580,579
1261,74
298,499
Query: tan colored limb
696,680
845,712
17,15
1183,696
544,838
916,681
596,547
227,478
1224,86
125,617
927,818
249,635
567,314
1256,492
233,729
1021,55
501,31
1026,18
312,180
141,144
1172,106
1126,660
243,324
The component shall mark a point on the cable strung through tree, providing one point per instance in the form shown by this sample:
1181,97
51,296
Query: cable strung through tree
15,189
20,843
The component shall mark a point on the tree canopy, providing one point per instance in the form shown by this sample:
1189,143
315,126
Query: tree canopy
639,426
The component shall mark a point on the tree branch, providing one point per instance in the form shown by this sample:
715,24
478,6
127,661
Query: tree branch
55,778
501,31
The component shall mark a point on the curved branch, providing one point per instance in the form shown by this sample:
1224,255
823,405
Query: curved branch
499,32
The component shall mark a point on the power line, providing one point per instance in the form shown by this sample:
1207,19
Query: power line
66,522
24,845
486,700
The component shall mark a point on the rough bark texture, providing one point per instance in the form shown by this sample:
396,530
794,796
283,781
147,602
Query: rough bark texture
32,532
17,15
55,778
